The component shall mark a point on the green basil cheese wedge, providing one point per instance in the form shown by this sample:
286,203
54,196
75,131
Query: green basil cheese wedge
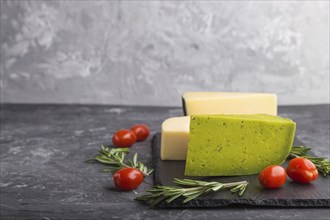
232,145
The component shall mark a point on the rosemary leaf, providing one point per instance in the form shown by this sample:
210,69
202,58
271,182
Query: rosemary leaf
216,188
242,189
188,190
114,159
177,195
193,196
193,192
235,189
135,160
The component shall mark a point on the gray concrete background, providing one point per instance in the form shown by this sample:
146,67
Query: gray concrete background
149,52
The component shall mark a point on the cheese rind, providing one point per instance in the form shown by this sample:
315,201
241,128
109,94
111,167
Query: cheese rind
174,138
196,103
231,145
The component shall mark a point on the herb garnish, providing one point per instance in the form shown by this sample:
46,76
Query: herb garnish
189,190
322,164
114,158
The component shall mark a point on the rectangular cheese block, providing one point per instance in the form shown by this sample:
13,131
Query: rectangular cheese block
231,145
174,138
196,103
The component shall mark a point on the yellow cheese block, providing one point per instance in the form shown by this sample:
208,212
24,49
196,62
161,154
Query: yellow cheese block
200,103
174,138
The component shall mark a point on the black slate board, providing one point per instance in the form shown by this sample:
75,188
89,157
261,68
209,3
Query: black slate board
292,194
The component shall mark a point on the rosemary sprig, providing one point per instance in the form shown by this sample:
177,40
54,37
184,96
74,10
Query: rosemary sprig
114,158
322,164
188,189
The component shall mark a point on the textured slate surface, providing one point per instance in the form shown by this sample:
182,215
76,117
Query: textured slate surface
290,195
43,175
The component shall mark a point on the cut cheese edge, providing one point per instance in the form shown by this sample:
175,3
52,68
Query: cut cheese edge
174,138
196,103
231,145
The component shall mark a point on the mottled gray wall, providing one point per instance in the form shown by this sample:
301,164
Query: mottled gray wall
149,52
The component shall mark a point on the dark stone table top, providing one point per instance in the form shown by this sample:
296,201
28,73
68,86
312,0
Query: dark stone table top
43,174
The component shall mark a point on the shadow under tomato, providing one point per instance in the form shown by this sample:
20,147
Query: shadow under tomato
303,186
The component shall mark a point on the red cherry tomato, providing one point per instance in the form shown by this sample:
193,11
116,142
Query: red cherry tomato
302,170
124,138
272,177
141,131
128,178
